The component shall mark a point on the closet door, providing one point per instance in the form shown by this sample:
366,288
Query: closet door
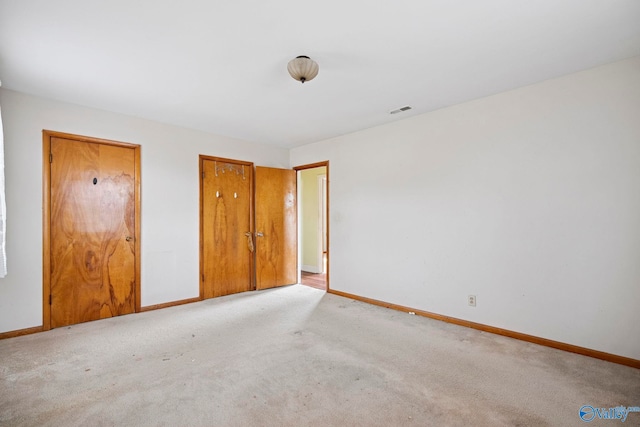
226,233
92,248
276,227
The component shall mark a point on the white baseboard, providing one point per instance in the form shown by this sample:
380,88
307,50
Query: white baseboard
311,269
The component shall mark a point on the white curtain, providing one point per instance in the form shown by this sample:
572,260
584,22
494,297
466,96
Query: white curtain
3,207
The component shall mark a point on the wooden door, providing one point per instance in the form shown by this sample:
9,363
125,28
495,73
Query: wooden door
226,232
276,228
92,230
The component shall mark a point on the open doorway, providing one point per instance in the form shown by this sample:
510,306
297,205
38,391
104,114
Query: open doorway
313,226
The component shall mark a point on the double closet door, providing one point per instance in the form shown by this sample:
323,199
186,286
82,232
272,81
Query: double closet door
248,227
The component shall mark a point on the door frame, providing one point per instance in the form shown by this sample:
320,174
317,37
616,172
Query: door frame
46,215
322,229
201,159
327,207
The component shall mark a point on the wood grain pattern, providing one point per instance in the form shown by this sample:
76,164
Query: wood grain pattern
276,219
93,265
226,208
614,358
314,280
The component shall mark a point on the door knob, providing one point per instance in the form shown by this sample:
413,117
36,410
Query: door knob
128,238
259,234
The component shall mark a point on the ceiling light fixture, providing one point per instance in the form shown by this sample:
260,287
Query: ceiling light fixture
303,68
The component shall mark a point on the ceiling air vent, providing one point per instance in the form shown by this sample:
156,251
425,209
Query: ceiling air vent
400,110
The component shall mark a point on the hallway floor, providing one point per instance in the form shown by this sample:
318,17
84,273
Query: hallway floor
317,281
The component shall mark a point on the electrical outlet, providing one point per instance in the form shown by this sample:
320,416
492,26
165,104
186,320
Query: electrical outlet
472,300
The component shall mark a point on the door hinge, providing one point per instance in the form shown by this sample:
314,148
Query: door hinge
50,299
50,157
202,174
203,277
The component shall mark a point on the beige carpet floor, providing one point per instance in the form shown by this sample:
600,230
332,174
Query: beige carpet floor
296,356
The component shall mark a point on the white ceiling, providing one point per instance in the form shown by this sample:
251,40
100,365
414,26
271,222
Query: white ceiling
220,66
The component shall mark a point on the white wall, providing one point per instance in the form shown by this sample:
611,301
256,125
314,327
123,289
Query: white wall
529,199
170,197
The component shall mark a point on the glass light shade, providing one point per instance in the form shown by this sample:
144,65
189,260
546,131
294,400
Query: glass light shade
303,68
